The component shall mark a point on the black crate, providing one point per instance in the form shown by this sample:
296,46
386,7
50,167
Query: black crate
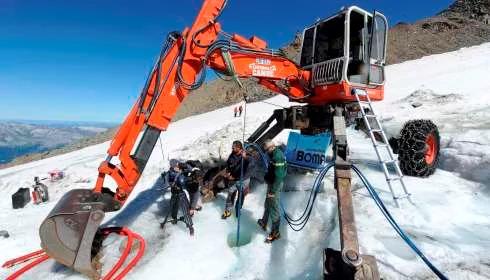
21,198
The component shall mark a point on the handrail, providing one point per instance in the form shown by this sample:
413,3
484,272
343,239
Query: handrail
329,71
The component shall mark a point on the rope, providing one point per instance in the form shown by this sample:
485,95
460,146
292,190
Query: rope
395,226
239,202
161,148
270,103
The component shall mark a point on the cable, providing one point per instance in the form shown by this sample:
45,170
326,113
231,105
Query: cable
299,223
395,226
240,188
263,156
273,104
161,148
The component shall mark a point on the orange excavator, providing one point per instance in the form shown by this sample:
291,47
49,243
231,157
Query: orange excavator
341,68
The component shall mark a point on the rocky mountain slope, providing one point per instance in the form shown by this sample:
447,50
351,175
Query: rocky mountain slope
465,23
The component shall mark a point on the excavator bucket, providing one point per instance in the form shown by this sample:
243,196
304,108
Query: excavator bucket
67,234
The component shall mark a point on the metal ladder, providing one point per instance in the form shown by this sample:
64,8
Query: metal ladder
390,178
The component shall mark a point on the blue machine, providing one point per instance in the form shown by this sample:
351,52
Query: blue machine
308,151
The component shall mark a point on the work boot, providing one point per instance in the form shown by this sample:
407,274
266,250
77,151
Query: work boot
262,224
272,237
191,231
225,215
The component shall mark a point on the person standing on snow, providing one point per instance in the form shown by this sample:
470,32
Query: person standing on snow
236,174
276,172
236,111
240,110
178,200
194,182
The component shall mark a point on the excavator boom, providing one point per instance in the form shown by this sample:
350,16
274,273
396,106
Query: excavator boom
328,72
68,232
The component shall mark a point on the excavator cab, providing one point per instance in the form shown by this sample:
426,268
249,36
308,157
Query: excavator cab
348,50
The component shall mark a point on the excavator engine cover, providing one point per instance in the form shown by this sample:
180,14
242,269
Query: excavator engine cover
69,230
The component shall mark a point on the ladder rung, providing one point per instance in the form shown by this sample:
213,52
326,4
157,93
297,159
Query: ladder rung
403,196
381,145
393,179
371,116
360,93
376,130
364,102
389,161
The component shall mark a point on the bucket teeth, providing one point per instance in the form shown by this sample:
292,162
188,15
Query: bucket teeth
67,234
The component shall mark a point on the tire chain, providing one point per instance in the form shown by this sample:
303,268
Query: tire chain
412,148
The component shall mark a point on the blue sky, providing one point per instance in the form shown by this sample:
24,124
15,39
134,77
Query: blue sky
87,60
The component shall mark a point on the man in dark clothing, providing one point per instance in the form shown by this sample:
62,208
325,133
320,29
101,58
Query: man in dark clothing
274,178
240,110
236,176
177,182
194,182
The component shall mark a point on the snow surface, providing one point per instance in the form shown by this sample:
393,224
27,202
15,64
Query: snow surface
449,221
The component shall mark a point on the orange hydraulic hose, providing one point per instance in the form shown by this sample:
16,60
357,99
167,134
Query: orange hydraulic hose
136,259
40,256
123,257
22,259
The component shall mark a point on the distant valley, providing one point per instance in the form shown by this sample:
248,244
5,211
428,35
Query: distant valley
21,137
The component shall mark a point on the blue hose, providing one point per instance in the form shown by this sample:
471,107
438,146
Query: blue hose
298,223
395,226
303,219
263,156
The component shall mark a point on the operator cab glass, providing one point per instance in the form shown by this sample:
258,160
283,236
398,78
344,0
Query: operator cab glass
346,47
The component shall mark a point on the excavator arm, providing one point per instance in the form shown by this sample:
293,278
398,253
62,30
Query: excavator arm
179,69
67,234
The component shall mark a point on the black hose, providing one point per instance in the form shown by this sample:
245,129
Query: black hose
299,223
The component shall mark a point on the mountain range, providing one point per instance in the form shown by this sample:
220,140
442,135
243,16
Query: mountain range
22,137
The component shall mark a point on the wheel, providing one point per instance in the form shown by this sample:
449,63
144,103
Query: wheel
418,148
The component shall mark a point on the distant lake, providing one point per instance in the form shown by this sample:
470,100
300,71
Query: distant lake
7,154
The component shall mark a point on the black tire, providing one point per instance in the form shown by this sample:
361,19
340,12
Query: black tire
413,148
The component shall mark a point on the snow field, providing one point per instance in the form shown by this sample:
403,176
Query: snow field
449,220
